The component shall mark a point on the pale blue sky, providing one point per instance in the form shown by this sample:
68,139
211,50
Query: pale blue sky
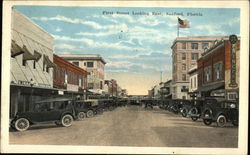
134,46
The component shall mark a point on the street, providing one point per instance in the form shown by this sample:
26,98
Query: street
131,126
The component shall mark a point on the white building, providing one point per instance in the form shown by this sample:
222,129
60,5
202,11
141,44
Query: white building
94,64
31,63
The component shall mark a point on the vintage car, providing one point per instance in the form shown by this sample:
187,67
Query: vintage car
122,101
177,104
164,103
95,106
108,104
195,109
220,111
58,110
186,106
150,103
85,108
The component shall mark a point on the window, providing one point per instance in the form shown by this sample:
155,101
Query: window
183,77
100,84
66,78
90,85
76,63
184,97
85,63
90,64
191,82
218,71
80,81
194,82
184,45
47,69
24,62
183,56
208,74
194,45
34,64
204,45
194,56
183,67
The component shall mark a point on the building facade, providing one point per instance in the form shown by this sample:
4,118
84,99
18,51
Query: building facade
193,82
218,70
185,53
31,64
93,64
69,77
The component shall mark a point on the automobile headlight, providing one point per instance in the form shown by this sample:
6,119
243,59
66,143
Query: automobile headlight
233,106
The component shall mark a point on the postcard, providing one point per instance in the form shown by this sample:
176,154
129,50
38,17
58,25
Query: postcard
125,77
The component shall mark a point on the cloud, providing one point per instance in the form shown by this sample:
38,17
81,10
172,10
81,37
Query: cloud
65,38
58,29
211,30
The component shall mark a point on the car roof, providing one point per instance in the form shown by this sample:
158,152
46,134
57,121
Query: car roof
54,99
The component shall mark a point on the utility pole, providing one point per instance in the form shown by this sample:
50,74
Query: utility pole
161,76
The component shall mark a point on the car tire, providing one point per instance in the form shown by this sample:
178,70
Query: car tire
184,113
207,122
22,124
67,120
221,121
90,113
194,111
194,118
81,116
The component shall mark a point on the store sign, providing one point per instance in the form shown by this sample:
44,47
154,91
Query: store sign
60,92
233,40
26,83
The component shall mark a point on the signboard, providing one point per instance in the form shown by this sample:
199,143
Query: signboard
233,40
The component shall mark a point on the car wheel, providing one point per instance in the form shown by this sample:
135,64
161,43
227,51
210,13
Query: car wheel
207,121
235,123
67,120
81,116
194,118
221,121
22,124
90,113
184,113
194,111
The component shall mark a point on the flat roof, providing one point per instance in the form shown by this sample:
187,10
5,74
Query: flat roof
82,57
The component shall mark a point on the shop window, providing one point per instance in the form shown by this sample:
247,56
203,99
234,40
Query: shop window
194,56
194,45
183,56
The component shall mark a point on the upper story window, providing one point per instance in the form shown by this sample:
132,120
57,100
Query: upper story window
184,77
90,64
76,63
208,74
194,45
183,57
184,45
24,62
204,45
194,56
218,71
183,67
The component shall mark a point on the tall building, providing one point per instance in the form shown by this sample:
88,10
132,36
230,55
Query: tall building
93,64
185,53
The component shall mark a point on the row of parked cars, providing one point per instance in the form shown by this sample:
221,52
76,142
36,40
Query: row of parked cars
210,109
62,111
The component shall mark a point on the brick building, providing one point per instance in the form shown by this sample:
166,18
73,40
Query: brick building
218,70
185,53
69,77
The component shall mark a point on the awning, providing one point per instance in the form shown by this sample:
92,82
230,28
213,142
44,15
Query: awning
15,49
48,62
211,87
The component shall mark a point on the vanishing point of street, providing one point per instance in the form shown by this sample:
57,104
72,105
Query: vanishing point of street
131,126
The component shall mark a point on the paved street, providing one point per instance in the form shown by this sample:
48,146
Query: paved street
131,126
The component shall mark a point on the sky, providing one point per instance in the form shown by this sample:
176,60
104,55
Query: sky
134,41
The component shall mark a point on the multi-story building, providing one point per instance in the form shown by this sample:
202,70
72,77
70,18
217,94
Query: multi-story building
166,90
218,69
93,64
185,53
31,63
69,77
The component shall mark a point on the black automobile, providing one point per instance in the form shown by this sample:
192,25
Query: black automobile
58,110
195,109
220,111
94,106
164,103
108,104
122,101
177,104
186,106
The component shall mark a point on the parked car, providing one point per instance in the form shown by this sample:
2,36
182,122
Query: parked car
58,110
177,105
95,107
108,104
186,106
195,109
220,111
85,108
164,104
